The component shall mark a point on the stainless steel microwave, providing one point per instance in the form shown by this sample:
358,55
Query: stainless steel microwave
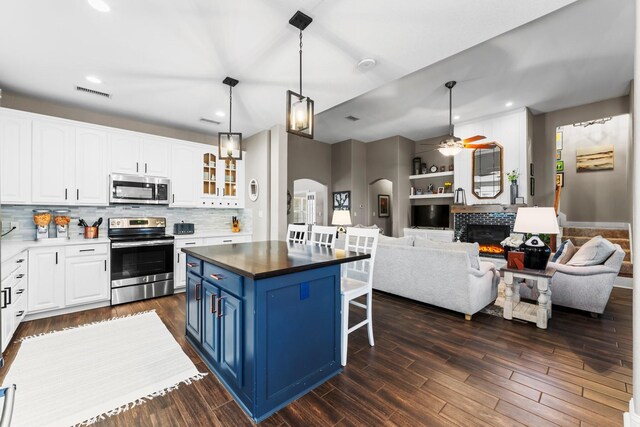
139,190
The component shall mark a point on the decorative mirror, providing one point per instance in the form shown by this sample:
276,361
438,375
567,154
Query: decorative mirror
253,190
487,172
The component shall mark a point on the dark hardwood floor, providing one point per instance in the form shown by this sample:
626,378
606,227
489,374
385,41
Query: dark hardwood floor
429,367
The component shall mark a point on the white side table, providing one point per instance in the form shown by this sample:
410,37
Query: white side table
514,308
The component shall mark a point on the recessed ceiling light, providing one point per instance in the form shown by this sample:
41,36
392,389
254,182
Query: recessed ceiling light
220,113
99,5
93,79
508,104
456,117
366,63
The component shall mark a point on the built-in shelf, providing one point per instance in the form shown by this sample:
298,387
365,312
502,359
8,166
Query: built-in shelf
430,196
432,175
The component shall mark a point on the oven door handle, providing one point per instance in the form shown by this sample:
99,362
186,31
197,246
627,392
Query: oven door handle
117,245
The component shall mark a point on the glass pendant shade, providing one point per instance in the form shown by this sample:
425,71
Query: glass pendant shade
230,145
299,115
449,150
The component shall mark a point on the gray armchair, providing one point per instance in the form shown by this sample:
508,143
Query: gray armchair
584,288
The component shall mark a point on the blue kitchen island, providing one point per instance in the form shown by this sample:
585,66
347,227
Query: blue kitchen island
265,317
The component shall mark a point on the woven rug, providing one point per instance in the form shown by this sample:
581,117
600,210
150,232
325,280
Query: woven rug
84,374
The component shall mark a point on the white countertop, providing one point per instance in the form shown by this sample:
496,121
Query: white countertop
205,234
9,248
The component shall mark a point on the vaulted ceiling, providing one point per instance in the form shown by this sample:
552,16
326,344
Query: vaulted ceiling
164,60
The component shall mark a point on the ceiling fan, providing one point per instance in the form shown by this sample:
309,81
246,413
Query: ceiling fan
452,145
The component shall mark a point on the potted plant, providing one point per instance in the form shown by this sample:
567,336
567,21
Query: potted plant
513,179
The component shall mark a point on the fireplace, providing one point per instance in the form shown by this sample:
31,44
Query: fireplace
488,236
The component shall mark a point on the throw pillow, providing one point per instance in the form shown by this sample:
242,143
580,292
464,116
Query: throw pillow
472,249
558,253
568,253
396,241
596,251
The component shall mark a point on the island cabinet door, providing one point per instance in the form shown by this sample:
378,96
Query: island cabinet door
231,337
194,307
210,323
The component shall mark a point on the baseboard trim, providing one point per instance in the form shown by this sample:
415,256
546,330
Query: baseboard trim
623,282
52,313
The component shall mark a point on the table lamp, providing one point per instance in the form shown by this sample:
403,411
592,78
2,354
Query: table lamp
341,218
536,221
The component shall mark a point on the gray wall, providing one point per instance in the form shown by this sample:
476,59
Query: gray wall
544,129
56,109
348,173
257,165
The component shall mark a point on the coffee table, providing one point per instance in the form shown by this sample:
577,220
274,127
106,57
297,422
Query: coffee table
538,313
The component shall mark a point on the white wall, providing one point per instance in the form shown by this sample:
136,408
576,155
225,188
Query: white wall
257,166
279,158
510,131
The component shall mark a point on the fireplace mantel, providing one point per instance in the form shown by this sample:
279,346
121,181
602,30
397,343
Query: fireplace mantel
485,208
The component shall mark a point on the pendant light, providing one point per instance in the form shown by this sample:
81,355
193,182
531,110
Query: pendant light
451,145
230,143
299,107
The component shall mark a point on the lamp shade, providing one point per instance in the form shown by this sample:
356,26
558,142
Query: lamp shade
536,221
341,218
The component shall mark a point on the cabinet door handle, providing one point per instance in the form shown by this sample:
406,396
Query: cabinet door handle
8,299
105,265
198,292
173,198
3,295
65,193
56,258
20,276
192,264
87,250
137,167
178,262
77,194
219,308
217,276
213,304
145,168
20,313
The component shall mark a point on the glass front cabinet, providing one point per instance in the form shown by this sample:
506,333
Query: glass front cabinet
222,181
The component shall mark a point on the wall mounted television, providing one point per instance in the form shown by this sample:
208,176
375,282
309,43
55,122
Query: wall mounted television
433,216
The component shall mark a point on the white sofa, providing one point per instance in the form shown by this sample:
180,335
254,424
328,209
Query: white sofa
440,275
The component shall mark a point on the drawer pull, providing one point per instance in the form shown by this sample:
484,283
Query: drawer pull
20,276
190,243
227,241
198,292
20,313
192,264
219,308
20,261
87,250
213,304
217,276
19,291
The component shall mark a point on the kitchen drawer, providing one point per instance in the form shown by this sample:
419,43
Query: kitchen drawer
20,309
188,243
19,290
15,265
194,265
226,240
227,280
82,250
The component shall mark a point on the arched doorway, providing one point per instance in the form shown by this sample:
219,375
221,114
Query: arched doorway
310,201
381,209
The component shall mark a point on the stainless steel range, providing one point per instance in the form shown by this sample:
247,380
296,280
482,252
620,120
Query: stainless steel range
141,259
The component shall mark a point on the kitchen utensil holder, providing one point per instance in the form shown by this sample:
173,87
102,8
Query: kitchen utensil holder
91,232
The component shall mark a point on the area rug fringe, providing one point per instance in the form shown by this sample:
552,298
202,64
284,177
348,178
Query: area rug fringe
85,325
141,400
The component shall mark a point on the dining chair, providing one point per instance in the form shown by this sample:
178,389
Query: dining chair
357,281
297,233
324,236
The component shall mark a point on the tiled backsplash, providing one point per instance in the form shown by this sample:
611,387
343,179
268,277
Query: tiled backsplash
204,219
461,220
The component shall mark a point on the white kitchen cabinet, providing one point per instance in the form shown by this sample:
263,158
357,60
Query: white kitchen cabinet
86,280
154,157
125,152
185,173
13,296
46,279
53,161
15,158
91,175
231,183
208,168
180,271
